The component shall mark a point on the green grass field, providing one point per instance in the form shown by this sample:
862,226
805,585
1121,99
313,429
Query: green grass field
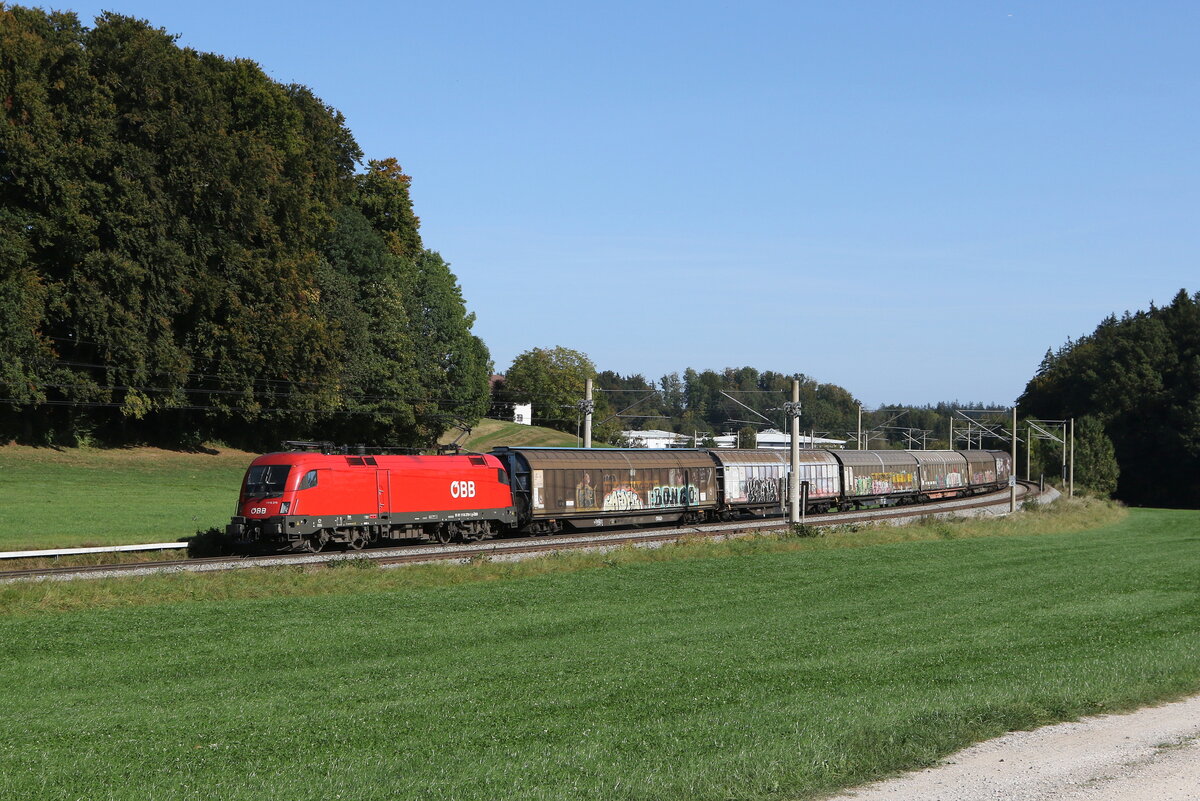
77,497
759,669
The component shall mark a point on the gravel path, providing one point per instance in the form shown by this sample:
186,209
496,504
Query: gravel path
1149,755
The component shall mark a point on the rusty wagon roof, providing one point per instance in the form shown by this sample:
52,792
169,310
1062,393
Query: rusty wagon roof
939,457
769,456
585,458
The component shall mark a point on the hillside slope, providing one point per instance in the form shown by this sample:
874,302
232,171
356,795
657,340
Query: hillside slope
488,434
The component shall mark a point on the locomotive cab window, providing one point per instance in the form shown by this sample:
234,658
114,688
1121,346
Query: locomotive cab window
309,480
267,479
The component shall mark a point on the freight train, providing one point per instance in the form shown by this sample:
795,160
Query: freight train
308,499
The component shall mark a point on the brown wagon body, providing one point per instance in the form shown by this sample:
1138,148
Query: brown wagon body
585,488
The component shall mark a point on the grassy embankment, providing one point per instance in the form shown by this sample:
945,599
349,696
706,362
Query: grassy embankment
765,668
80,497
488,434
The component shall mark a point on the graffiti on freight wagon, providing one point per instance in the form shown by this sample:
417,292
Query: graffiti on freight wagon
622,499
882,483
585,493
760,490
945,481
627,499
685,495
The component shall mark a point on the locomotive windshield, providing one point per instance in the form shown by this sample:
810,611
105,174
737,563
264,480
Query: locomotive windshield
267,479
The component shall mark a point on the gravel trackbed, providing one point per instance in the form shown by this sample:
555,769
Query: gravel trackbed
1152,754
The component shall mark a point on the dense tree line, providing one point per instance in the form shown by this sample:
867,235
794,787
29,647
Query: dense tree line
746,400
1133,386
704,402
187,253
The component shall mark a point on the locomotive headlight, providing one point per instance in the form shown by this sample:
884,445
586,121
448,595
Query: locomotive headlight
283,507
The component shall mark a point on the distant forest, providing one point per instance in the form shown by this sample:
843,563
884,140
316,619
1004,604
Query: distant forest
747,401
1134,385
189,252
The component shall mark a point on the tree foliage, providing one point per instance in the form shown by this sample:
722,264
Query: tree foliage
554,380
1139,378
1095,458
187,253
727,401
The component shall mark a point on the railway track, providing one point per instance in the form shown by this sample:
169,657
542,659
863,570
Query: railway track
520,547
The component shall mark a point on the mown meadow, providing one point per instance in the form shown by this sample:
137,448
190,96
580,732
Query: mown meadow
768,668
51,498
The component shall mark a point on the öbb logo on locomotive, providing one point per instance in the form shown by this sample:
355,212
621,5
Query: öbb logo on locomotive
332,496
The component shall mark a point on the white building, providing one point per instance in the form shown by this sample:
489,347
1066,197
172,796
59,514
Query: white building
523,413
771,438
775,439
656,439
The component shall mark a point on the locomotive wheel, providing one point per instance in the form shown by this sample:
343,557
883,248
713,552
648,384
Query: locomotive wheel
357,540
443,534
316,542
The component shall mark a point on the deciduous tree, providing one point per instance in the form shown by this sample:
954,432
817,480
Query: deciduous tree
554,380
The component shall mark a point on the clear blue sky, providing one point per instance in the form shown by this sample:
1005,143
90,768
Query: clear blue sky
911,199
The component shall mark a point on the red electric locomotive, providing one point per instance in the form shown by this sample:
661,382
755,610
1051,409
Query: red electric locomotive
309,499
